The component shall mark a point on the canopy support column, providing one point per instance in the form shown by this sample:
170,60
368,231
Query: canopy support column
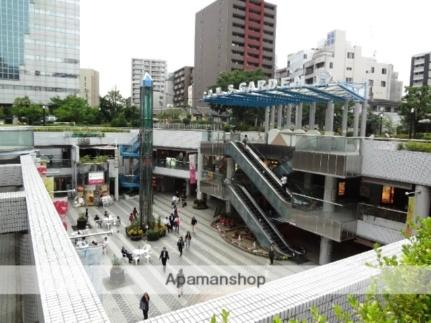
312,116
344,121
329,118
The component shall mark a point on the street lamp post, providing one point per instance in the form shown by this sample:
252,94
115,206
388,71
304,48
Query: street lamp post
44,108
412,125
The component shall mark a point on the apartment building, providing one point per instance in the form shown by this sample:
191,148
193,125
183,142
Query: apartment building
420,72
183,78
233,35
158,71
89,86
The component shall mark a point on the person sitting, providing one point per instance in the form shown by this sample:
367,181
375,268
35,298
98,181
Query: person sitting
94,243
106,214
124,251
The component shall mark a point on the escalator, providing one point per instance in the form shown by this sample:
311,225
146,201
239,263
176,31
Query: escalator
261,176
258,222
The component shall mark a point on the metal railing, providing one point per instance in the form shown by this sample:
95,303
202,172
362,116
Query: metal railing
58,163
190,126
328,144
172,163
381,212
16,139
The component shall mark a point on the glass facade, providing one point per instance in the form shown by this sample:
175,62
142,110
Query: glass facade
39,49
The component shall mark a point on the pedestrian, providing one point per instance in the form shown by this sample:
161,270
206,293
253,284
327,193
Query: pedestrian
174,201
184,198
283,180
177,224
181,280
144,305
131,218
180,245
167,224
194,222
105,245
86,213
271,254
135,213
175,211
106,214
188,238
245,140
172,221
164,256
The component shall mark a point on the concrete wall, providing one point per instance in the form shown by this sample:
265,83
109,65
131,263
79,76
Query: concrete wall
10,175
13,212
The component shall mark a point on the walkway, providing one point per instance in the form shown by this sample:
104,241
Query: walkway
207,249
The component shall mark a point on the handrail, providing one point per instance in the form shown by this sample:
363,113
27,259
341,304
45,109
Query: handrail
268,222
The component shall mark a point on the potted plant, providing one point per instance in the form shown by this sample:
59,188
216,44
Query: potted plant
135,232
117,273
81,223
200,204
153,235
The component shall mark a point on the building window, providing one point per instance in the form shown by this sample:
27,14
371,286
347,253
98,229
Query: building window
349,80
388,193
383,84
331,65
372,69
349,68
384,71
370,82
350,55
341,188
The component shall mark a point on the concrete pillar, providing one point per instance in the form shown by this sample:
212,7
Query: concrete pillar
329,193
422,207
289,116
325,251
356,119
344,121
199,174
312,116
266,123
272,126
280,117
364,119
298,116
329,119
230,168
117,186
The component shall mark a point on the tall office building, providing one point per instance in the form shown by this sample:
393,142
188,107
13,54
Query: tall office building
183,78
420,73
233,35
158,71
39,49
89,84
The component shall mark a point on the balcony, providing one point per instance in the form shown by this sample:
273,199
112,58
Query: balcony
381,212
328,155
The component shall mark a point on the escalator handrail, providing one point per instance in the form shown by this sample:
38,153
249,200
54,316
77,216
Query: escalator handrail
268,221
274,190
267,169
233,189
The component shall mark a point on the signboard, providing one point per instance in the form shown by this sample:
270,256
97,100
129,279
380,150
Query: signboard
192,168
96,178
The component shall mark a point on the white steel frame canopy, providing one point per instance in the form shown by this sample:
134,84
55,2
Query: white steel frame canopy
250,97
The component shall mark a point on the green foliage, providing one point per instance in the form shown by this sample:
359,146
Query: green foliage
86,159
111,105
239,115
416,146
23,108
153,235
74,109
419,99
119,120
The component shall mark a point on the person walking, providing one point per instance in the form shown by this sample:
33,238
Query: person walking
144,304
271,254
172,221
245,140
194,222
181,280
135,213
283,180
164,256
188,238
105,245
167,224
180,245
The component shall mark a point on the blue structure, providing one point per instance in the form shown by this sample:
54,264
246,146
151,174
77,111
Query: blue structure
131,151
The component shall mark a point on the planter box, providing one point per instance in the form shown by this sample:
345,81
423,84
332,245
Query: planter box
117,275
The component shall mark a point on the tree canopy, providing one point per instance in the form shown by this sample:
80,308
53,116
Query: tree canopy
416,106
23,108
74,109
241,117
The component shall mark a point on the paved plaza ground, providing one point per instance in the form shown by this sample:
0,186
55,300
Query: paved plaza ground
207,249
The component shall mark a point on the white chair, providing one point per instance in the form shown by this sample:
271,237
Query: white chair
147,257
136,259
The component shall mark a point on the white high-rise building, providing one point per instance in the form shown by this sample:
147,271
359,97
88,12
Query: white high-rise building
295,65
338,60
39,49
158,71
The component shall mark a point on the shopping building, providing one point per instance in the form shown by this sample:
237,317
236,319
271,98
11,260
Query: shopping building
233,35
39,50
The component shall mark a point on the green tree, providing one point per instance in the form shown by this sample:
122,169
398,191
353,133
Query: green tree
74,109
131,113
119,121
241,117
23,108
111,105
415,106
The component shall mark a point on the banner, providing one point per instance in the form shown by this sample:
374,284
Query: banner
49,185
410,215
192,168
96,178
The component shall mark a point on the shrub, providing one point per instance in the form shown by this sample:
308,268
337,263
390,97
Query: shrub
153,235
416,146
200,204
135,230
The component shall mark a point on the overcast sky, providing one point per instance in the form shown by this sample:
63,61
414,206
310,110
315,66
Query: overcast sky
114,31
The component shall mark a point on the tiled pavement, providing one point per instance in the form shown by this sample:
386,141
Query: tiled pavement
207,249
